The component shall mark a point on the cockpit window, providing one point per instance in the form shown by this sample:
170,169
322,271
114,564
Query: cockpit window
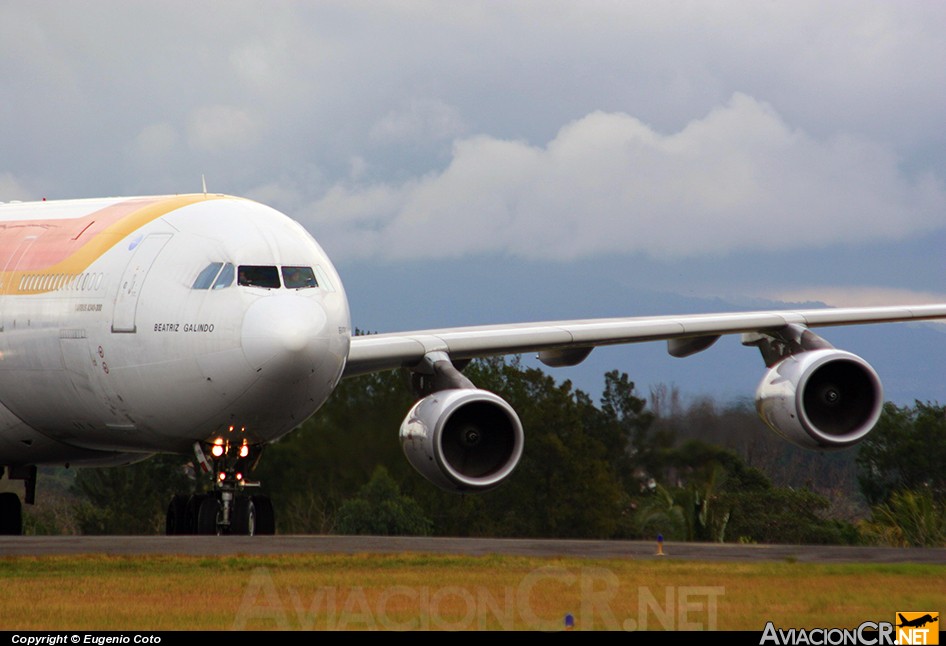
298,277
258,276
206,277
225,279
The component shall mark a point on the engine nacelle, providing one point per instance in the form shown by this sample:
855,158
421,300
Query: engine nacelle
823,399
463,439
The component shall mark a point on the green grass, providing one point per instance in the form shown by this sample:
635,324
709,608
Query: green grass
410,591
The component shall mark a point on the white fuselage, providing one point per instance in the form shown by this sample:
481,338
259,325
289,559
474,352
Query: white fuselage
111,344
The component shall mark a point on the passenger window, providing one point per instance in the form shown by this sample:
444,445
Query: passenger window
298,277
225,279
258,276
206,278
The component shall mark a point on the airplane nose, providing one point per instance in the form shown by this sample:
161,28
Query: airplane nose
284,337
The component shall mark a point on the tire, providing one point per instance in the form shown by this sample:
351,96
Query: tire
265,516
207,516
11,514
244,517
176,521
190,512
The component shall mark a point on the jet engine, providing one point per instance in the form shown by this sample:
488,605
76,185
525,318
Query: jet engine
463,439
821,399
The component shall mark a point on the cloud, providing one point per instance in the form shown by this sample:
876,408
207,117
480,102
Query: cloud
739,178
12,189
421,119
859,296
222,128
156,140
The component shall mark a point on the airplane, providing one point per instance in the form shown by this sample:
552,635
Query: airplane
919,622
213,325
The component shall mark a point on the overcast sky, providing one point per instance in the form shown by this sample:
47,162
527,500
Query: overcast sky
788,150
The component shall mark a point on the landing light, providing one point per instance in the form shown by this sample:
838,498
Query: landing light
244,451
217,450
222,476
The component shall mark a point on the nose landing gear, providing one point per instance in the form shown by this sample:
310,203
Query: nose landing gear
229,508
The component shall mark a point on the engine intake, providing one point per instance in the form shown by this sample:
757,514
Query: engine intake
463,439
823,399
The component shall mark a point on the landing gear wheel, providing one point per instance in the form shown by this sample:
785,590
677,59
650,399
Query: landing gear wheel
176,522
207,516
191,511
265,516
229,508
244,516
11,514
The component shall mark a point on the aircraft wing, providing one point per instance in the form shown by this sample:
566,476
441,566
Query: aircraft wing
686,334
466,439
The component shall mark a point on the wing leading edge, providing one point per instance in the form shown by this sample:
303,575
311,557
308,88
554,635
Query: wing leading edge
685,333
466,439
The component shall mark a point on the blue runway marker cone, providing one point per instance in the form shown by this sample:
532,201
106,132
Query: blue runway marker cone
569,622
660,545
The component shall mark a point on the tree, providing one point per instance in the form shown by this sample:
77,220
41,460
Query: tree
712,495
695,480
637,447
906,451
130,499
381,509
565,485
737,427
313,470
908,519
785,515
659,514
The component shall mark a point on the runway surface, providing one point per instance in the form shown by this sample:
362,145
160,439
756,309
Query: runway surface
261,545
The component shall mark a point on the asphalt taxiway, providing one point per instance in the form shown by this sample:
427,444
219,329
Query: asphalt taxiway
294,544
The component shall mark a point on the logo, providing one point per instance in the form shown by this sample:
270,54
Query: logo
135,242
908,629
917,628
